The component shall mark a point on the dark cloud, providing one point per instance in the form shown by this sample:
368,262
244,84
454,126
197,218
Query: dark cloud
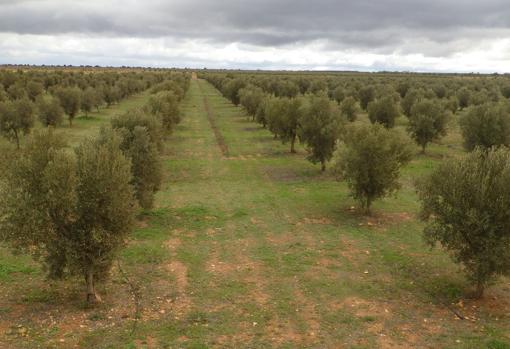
362,23
431,28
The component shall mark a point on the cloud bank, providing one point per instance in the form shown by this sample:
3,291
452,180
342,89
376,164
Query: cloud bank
415,35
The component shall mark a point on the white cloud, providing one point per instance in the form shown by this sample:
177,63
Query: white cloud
491,56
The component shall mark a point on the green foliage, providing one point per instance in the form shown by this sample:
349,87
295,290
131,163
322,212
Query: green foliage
486,125
427,122
321,124
452,104
349,108
146,165
165,105
89,99
464,97
466,204
250,97
72,211
366,95
138,117
34,89
261,114
16,117
231,89
283,116
70,100
50,111
338,94
412,96
383,111
17,91
369,159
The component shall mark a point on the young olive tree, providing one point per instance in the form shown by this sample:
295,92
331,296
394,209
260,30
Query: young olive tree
49,110
427,122
464,97
70,100
366,95
349,108
486,125
138,117
412,96
383,111
165,106
465,203
89,99
369,158
16,118
250,97
321,125
283,114
71,211
146,168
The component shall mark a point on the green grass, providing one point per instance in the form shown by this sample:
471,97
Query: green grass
262,250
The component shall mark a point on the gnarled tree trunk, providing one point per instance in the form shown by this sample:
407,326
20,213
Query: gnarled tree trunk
92,295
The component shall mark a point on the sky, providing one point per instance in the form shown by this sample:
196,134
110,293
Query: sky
365,35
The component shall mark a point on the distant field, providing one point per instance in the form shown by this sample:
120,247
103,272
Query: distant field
250,246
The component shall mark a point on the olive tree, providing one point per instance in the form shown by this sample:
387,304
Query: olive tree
71,211
427,122
338,94
465,203
412,96
486,125
138,117
89,99
70,100
165,106
250,97
231,89
283,116
464,97
34,89
49,110
16,118
349,108
146,168
321,124
383,111
366,95
369,159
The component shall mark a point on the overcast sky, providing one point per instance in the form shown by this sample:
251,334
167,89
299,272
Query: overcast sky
369,35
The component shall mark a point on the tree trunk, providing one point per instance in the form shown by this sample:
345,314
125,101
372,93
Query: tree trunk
480,288
92,296
292,141
423,148
17,138
323,166
368,212
70,122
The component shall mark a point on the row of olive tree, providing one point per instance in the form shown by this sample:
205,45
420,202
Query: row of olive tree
50,103
72,210
465,201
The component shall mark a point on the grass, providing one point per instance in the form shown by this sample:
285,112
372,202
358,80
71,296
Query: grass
259,249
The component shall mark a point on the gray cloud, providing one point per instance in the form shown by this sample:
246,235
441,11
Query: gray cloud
435,28
263,22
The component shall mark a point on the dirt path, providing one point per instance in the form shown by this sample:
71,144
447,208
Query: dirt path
210,116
